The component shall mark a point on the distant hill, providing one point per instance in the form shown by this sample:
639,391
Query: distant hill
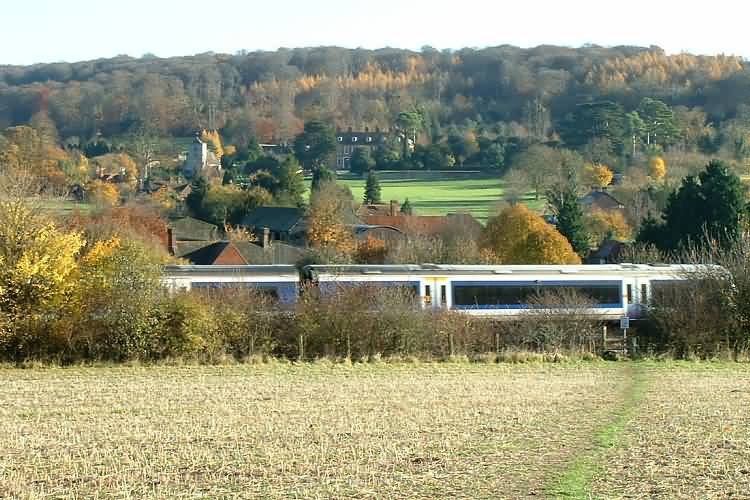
270,94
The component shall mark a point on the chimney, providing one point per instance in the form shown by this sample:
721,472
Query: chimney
395,207
170,241
266,238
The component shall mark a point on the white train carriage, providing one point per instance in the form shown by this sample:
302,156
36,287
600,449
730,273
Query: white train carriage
615,291
279,281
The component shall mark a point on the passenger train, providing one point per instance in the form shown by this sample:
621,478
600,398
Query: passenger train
615,291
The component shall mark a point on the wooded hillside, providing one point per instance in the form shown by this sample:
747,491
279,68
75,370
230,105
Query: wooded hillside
526,92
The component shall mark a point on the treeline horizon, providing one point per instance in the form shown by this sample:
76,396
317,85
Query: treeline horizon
271,94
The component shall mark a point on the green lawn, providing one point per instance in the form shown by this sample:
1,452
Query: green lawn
479,196
66,207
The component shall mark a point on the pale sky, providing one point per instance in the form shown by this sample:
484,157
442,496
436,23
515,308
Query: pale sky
74,30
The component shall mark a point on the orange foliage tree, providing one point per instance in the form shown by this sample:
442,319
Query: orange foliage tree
519,236
330,205
371,251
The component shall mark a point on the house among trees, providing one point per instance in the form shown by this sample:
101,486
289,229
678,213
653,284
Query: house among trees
201,161
285,224
601,200
348,142
609,252
200,243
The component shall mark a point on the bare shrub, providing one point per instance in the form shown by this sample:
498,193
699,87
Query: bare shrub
247,320
560,319
706,310
357,321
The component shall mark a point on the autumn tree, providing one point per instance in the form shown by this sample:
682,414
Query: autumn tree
607,224
597,176
371,251
330,211
37,275
102,194
213,139
519,236
536,163
657,168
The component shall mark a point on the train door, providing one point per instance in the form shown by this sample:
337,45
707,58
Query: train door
637,292
436,293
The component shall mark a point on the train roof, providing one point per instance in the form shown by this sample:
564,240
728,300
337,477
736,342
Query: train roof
450,269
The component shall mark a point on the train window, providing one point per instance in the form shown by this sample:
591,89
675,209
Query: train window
427,291
478,295
443,296
644,294
329,287
630,294
668,291
218,287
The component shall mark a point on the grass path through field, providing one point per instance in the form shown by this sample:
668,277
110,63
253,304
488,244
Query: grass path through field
576,480
689,436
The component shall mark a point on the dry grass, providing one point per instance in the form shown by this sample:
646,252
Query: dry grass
406,430
297,431
688,438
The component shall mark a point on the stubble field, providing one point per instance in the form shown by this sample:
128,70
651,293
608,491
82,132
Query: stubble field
381,430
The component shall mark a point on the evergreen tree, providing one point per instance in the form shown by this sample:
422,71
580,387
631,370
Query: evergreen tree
659,123
254,151
198,192
563,202
708,207
406,208
291,182
315,146
322,175
361,161
372,188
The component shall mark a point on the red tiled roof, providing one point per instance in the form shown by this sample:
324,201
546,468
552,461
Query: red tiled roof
424,224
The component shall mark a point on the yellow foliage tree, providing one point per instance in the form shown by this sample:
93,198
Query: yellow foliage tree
597,176
606,224
327,230
519,236
657,168
213,138
103,194
37,261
